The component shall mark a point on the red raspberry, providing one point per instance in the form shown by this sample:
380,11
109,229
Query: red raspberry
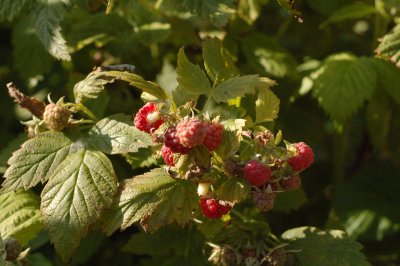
191,132
148,118
291,183
256,173
303,158
214,133
167,155
264,201
213,208
171,141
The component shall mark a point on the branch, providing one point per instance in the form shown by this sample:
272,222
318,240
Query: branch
33,105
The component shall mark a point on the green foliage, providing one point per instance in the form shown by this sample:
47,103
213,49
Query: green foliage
10,8
342,84
155,199
37,160
321,247
390,45
20,216
353,11
98,174
115,135
81,187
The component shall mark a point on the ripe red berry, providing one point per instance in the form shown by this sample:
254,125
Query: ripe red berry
171,141
256,173
214,133
291,183
148,118
167,155
213,208
303,158
191,132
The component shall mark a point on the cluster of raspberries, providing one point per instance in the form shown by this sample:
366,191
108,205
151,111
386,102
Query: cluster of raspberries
192,132
183,136
180,139
260,176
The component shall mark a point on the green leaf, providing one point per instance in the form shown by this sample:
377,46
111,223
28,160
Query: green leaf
82,186
37,259
249,10
234,189
379,114
37,160
116,134
290,200
191,77
46,19
138,82
235,87
267,56
10,8
217,62
388,78
91,86
29,56
328,248
267,105
153,33
342,84
20,216
389,47
7,151
289,6
355,10
217,12
368,211
155,199
143,158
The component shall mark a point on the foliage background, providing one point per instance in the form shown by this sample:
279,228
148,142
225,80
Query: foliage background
336,95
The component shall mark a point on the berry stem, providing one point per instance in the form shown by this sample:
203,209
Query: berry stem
239,215
84,109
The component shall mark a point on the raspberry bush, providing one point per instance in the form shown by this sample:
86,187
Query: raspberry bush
234,139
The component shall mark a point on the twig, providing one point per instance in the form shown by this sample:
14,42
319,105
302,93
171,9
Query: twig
35,106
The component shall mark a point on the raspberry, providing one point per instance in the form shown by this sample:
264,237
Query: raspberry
148,118
214,133
167,155
256,173
56,117
171,141
303,158
264,201
291,183
213,208
191,132
13,249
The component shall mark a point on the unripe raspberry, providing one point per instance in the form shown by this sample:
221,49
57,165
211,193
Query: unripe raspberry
256,173
291,183
213,209
202,189
171,141
167,155
303,158
148,118
13,249
191,132
56,117
264,201
214,133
